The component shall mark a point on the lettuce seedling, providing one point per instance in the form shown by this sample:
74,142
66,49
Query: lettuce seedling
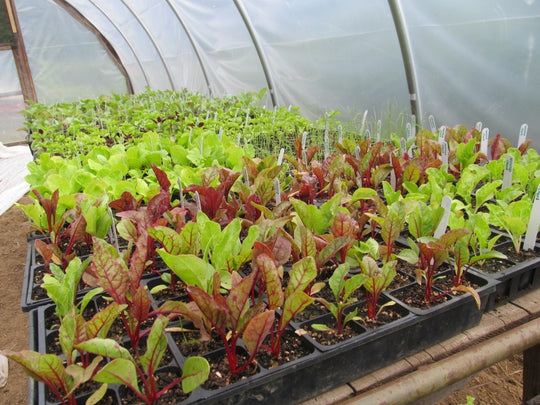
513,218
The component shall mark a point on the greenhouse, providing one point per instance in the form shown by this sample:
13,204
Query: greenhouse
241,202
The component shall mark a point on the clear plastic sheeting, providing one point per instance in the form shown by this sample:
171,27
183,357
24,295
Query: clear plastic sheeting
224,45
13,169
66,60
324,55
9,81
478,62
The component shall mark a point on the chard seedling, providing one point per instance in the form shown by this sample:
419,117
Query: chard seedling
342,288
138,372
317,219
377,280
306,244
234,316
428,255
463,261
392,221
292,299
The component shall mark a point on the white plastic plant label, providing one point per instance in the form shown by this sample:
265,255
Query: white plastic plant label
403,147
340,134
326,143
277,187
444,154
408,130
280,157
392,176
446,203
247,117
379,128
357,152
246,177
478,126
442,134
534,223
368,134
181,191
304,139
508,171
484,141
220,133
522,134
4,370
432,126
363,122
198,201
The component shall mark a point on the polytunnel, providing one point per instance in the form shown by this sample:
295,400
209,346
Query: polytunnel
269,202
458,62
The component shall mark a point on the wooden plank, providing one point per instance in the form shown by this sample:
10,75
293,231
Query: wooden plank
334,396
490,324
511,315
381,376
530,303
419,359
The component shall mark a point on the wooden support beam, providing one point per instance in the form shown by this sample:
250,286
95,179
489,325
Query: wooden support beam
531,373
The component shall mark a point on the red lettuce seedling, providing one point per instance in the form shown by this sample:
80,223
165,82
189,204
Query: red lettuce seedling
215,202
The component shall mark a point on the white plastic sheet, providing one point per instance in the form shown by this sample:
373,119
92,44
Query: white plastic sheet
13,162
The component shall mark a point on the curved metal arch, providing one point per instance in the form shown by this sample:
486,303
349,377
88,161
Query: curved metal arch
193,45
408,60
161,58
125,39
262,57
72,10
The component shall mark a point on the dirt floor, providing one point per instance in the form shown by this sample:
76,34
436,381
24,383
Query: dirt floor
500,384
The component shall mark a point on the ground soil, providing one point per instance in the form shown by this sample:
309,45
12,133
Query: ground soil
500,384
